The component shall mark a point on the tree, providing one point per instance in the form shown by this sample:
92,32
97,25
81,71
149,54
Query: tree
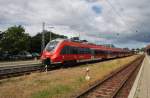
15,39
142,49
36,43
138,49
1,35
133,49
36,40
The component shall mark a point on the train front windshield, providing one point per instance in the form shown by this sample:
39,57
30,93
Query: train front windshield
51,46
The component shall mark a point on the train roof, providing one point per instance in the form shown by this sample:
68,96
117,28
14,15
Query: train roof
91,45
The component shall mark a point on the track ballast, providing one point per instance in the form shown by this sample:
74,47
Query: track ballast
111,86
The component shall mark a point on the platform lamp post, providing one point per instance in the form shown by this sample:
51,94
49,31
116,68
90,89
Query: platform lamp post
79,35
43,37
50,34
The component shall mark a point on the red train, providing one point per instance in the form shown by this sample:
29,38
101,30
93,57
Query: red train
65,50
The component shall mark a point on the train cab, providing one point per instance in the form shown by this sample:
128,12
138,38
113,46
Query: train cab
49,53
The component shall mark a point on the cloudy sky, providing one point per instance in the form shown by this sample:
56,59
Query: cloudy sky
125,23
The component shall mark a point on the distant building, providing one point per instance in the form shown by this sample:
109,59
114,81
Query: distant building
147,49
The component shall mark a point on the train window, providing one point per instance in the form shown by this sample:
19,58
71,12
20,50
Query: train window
109,52
51,45
81,50
95,52
78,49
75,50
69,50
98,52
84,51
65,50
88,51
92,52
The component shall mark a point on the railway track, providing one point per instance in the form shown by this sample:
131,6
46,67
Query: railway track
10,71
115,85
21,69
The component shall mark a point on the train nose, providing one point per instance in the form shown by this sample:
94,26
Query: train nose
45,58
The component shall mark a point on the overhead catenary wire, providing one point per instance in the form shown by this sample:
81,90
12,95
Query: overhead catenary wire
135,27
117,13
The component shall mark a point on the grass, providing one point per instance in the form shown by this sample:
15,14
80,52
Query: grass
62,83
55,91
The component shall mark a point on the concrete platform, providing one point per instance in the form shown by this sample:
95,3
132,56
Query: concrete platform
141,87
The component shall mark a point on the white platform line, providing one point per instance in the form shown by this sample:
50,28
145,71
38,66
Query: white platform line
136,82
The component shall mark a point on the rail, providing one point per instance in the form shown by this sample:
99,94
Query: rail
110,86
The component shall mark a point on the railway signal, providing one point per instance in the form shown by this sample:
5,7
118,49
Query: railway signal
87,77
46,68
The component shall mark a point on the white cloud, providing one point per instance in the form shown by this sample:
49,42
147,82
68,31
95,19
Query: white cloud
78,16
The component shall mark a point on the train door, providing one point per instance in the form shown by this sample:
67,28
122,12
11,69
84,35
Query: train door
92,54
69,53
66,53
